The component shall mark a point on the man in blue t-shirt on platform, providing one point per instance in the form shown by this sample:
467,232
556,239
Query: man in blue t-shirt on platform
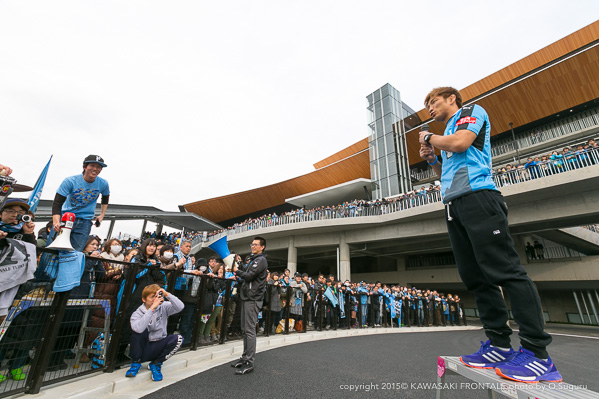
78,194
481,242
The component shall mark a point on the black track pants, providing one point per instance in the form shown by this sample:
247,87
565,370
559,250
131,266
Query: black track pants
486,259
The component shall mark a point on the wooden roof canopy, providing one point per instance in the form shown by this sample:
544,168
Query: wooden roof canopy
356,166
544,83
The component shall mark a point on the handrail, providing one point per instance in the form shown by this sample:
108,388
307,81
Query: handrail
585,120
571,162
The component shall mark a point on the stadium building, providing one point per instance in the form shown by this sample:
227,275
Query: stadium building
370,211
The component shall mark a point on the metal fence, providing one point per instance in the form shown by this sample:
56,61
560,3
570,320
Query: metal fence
566,163
585,120
49,337
363,209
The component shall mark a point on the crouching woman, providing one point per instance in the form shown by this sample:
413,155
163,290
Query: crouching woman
149,340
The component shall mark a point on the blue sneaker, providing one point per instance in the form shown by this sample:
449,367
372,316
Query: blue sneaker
156,369
488,357
133,370
526,367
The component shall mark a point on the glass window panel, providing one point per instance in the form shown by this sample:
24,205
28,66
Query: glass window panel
379,127
384,188
369,100
390,146
392,166
388,120
393,181
377,110
387,107
385,90
382,162
373,173
390,128
380,142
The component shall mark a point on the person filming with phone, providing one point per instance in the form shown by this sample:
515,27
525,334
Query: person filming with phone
149,339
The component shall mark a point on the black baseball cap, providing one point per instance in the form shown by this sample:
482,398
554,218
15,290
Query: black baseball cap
95,159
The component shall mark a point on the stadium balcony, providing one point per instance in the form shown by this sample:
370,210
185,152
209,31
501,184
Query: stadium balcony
563,132
364,211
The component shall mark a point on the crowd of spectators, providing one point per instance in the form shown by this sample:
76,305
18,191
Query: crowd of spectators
347,209
166,238
319,302
557,161
324,303
586,154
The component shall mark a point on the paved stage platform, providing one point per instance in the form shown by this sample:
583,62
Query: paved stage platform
378,362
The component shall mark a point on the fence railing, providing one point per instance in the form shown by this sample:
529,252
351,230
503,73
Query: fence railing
548,253
551,167
419,175
49,337
565,163
336,212
586,120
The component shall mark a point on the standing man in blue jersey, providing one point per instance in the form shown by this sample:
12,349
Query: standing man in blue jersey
78,194
484,250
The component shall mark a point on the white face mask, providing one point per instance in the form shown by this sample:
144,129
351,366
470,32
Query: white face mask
115,249
168,255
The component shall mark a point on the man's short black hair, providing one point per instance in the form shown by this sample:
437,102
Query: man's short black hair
261,240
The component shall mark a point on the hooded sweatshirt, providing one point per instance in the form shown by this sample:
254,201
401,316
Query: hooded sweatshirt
155,321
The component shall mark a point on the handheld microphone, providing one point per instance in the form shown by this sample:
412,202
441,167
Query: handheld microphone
424,127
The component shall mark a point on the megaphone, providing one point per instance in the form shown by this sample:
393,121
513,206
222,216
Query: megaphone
63,240
222,249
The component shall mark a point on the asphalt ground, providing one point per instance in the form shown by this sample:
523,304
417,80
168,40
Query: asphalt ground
380,366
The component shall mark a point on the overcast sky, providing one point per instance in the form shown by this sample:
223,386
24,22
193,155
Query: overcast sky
189,100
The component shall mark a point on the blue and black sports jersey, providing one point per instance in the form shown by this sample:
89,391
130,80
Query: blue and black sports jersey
468,171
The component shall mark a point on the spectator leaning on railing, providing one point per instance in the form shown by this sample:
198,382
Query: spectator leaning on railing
78,194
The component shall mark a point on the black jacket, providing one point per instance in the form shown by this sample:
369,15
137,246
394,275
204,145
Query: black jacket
253,278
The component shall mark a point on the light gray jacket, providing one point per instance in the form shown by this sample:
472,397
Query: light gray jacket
155,321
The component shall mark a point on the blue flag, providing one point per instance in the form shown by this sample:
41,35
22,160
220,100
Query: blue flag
329,294
34,200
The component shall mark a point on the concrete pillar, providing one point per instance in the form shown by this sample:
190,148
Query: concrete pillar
344,259
110,229
159,229
292,256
